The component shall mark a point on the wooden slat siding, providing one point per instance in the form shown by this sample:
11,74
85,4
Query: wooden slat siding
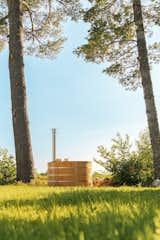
68,184
68,170
69,164
68,178
69,173
66,174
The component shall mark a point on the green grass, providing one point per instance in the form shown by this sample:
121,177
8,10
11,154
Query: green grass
43,213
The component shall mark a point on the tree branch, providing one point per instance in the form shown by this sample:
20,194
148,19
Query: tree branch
30,14
2,20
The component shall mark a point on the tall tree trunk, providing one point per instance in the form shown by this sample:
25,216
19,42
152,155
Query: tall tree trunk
24,157
147,87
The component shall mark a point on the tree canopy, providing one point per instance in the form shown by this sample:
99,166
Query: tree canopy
42,22
112,39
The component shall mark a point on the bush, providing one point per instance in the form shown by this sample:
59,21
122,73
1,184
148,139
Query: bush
7,168
128,167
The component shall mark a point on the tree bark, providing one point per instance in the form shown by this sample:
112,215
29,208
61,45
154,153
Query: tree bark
147,87
24,156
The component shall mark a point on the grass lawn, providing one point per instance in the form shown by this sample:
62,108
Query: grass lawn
43,213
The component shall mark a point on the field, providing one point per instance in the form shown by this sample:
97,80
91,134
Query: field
43,213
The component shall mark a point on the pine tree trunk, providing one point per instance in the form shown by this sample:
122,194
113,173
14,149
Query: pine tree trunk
147,87
24,157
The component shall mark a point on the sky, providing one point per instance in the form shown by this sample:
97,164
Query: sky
86,106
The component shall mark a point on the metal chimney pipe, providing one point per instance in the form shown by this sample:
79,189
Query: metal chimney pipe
54,143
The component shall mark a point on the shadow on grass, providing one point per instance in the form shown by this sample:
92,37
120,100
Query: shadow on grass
86,196
119,221
104,225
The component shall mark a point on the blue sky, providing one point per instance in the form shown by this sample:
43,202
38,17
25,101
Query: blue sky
87,107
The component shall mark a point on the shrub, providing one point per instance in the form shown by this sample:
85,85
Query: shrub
7,168
128,167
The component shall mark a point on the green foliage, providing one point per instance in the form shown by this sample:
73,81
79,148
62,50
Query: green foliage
7,168
42,22
79,213
144,153
127,166
112,39
154,13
